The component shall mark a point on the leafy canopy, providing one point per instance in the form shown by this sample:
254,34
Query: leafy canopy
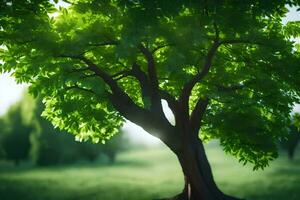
236,54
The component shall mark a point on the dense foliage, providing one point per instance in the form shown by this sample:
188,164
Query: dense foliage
236,55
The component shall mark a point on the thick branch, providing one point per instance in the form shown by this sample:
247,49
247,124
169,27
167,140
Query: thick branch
102,74
116,90
143,80
141,77
127,108
145,87
153,81
99,72
197,114
187,89
152,122
186,92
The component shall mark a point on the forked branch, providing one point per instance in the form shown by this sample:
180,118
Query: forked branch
151,121
153,81
187,89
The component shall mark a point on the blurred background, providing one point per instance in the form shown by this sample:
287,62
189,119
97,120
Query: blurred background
40,162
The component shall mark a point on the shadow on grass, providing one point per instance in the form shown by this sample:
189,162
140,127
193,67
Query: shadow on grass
49,190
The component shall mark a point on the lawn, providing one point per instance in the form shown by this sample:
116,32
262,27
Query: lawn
147,174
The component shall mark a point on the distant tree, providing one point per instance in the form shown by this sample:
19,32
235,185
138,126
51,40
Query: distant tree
115,145
87,150
1,135
291,141
15,136
228,70
46,144
51,146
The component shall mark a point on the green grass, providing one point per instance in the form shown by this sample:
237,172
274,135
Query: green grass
279,181
147,174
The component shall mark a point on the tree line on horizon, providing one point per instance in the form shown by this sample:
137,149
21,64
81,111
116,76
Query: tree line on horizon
25,135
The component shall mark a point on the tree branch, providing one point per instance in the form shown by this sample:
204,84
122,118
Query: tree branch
101,44
197,114
108,43
235,87
143,81
122,74
160,47
102,74
76,86
153,81
231,88
116,90
187,89
241,41
80,70
153,122
186,92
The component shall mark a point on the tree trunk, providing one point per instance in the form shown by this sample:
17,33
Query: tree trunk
199,182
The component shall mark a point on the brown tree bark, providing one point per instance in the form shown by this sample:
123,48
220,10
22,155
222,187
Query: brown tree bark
199,181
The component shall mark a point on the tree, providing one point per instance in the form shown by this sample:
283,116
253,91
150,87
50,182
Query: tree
291,141
46,143
2,155
15,136
51,146
227,70
115,145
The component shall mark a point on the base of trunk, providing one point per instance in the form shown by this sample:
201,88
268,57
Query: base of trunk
184,196
199,181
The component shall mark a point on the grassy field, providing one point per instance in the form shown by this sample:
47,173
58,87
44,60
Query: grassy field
147,174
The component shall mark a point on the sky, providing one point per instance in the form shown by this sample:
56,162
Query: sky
292,15
10,92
